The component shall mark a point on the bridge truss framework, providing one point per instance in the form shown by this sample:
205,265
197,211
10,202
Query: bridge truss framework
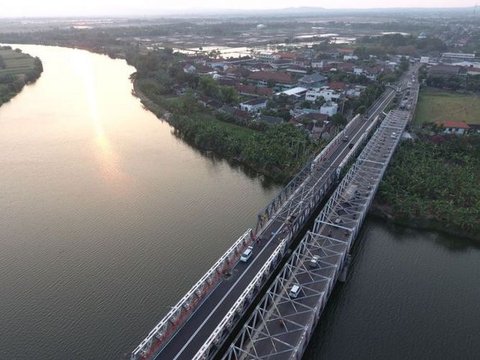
280,327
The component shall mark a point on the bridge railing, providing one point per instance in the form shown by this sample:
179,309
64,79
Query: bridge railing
179,313
217,335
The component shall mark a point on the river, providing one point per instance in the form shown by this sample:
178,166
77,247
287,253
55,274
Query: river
107,219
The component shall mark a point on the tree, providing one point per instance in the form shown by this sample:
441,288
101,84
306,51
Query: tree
208,86
339,120
228,94
404,64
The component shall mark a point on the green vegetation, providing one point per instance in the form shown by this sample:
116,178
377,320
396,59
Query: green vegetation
398,44
434,105
16,70
276,151
434,186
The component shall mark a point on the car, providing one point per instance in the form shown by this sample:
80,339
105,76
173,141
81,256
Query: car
338,221
345,138
247,254
314,261
394,135
350,145
295,291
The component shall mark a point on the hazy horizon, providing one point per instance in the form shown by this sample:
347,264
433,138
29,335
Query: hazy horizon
56,8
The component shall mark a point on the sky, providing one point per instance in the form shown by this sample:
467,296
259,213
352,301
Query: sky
32,8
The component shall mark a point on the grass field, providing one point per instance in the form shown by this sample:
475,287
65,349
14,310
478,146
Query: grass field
16,63
435,105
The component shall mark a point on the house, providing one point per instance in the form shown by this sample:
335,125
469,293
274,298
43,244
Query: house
266,56
424,60
444,70
296,69
329,108
314,80
373,72
325,92
454,127
339,86
474,71
347,67
189,69
350,57
297,92
317,64
252,90
278,78
355,91
357,70
254,105
453,57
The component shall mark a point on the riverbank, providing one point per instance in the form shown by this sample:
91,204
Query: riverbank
385,213
272,151
16,70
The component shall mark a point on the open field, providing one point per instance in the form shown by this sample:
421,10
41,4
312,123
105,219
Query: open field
435,105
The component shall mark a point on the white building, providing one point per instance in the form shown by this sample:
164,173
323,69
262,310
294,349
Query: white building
355,91
317,64
254,105
455,57
297,92
424,60
357,71
325,92
267,56
329,108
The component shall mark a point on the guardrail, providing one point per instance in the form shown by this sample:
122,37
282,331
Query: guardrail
171,323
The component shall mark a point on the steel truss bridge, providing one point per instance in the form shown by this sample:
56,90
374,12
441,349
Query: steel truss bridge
201,321
280,326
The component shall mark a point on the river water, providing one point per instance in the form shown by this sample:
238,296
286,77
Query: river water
107,219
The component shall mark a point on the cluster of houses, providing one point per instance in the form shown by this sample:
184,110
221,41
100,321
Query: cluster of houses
452,64
301,76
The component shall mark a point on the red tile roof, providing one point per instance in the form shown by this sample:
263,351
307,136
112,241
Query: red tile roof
281,77
455,124
253,90
337,85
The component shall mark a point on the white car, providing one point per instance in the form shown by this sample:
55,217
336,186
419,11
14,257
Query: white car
294,291
314,261
247,254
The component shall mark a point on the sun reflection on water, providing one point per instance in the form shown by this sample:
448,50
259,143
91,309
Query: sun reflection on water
104,152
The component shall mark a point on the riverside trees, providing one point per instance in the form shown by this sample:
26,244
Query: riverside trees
435,185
